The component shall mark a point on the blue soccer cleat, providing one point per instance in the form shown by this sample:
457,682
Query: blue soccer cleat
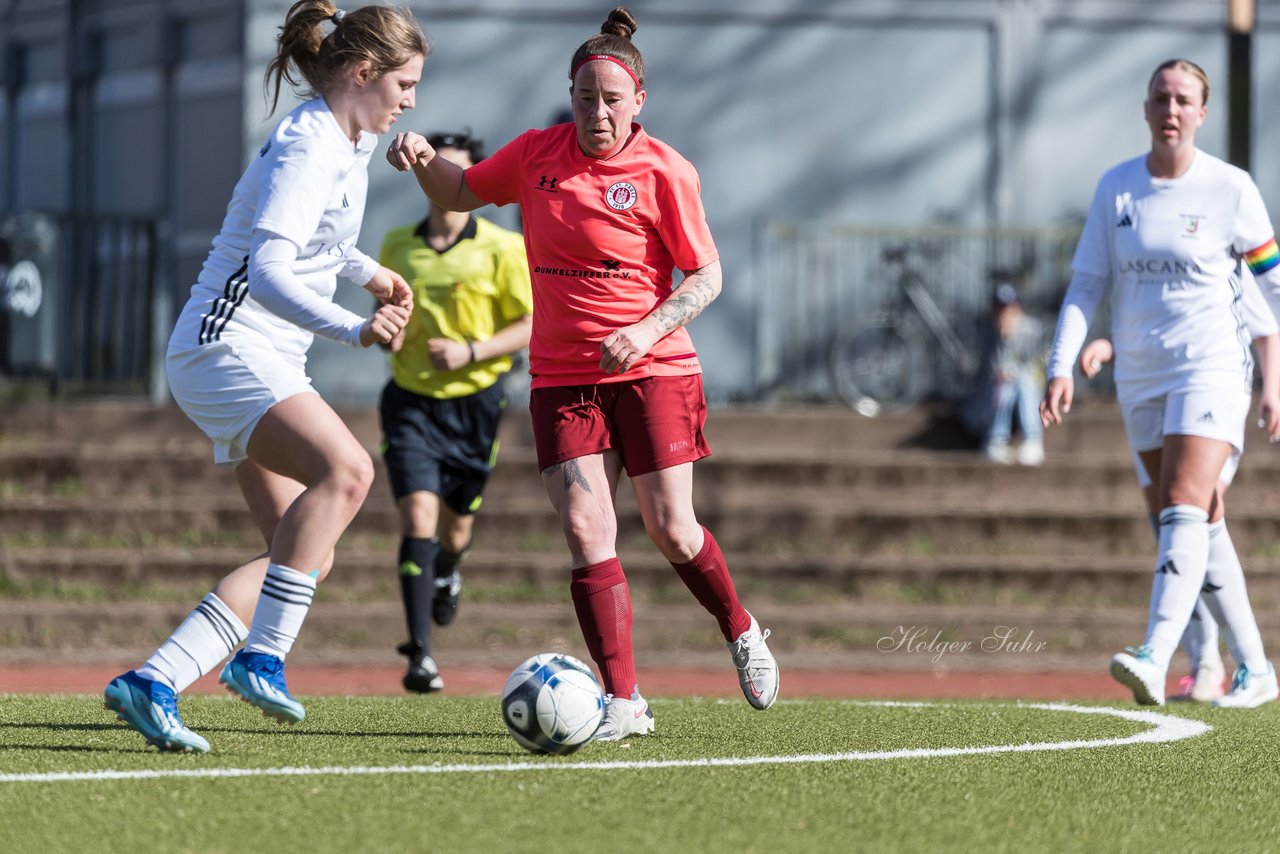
151,708
258,679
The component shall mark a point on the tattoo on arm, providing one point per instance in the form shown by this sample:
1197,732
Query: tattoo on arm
686,302
572,474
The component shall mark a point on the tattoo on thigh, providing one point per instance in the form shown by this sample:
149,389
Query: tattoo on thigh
572,475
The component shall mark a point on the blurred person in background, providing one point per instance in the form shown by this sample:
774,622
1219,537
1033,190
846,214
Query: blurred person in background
441,409
236,361
609,213
1010,382
1168,233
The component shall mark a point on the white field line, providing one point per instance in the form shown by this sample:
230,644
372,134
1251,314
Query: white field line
1165,728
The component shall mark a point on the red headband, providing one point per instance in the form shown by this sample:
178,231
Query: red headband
613,59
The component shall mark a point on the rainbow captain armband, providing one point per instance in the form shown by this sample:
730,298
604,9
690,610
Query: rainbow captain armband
1263,258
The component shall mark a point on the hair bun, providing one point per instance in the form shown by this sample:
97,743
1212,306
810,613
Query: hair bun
620,23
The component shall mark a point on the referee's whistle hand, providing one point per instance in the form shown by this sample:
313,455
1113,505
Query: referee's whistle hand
447,354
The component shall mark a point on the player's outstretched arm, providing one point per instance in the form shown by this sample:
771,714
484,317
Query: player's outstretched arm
441,180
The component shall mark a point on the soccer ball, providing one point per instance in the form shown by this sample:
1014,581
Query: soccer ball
552,703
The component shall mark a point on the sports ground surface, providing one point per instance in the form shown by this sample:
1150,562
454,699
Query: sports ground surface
440,773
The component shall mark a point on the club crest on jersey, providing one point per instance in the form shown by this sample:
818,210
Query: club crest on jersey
1191,223
621,196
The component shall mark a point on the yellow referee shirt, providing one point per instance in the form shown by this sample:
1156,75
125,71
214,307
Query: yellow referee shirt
467,293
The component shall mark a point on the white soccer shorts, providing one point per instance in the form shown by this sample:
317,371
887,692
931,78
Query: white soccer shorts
1208,412
226,388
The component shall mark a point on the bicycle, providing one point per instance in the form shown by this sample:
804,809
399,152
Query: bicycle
889,361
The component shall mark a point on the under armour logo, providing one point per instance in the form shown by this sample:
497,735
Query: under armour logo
548,183
1125,222
1168,568
610,265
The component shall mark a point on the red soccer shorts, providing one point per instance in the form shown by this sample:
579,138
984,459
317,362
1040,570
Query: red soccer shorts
653,423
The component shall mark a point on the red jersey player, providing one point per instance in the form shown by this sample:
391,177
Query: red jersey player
609,213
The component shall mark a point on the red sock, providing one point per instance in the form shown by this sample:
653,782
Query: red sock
707,577
602,601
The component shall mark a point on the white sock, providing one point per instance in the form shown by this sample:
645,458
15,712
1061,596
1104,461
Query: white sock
1200,640
283,605
1180,570
205,638
1228,599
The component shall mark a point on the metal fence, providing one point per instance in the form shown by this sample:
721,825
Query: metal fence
110,290
821,278
83,313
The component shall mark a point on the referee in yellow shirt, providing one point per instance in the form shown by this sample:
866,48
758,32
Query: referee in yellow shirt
441,409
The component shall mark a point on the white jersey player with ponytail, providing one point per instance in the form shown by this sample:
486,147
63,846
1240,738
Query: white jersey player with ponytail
237,357
1168,234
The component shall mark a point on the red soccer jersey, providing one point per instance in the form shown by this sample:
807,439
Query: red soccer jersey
603,237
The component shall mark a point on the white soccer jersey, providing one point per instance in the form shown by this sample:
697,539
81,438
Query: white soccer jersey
308,185
1171,251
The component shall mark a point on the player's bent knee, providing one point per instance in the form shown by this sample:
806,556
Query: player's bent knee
678,540
353,476
675,548
589,537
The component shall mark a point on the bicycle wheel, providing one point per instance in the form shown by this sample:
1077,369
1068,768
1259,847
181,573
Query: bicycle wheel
876,367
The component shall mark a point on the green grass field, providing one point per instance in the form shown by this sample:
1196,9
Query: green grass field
441,774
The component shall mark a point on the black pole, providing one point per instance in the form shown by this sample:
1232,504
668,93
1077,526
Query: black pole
1240,25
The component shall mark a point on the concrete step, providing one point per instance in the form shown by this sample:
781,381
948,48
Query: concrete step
62,469
742,522
859,542
844,474
1092,426
115,575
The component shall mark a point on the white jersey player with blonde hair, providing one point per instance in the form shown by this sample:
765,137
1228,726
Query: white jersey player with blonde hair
1201,639
1169,234
236,361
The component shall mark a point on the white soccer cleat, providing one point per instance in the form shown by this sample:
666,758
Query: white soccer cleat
1250,690
624,718
1136,671
757,669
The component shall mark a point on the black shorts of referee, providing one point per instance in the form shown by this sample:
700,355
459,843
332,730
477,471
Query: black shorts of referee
447,447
